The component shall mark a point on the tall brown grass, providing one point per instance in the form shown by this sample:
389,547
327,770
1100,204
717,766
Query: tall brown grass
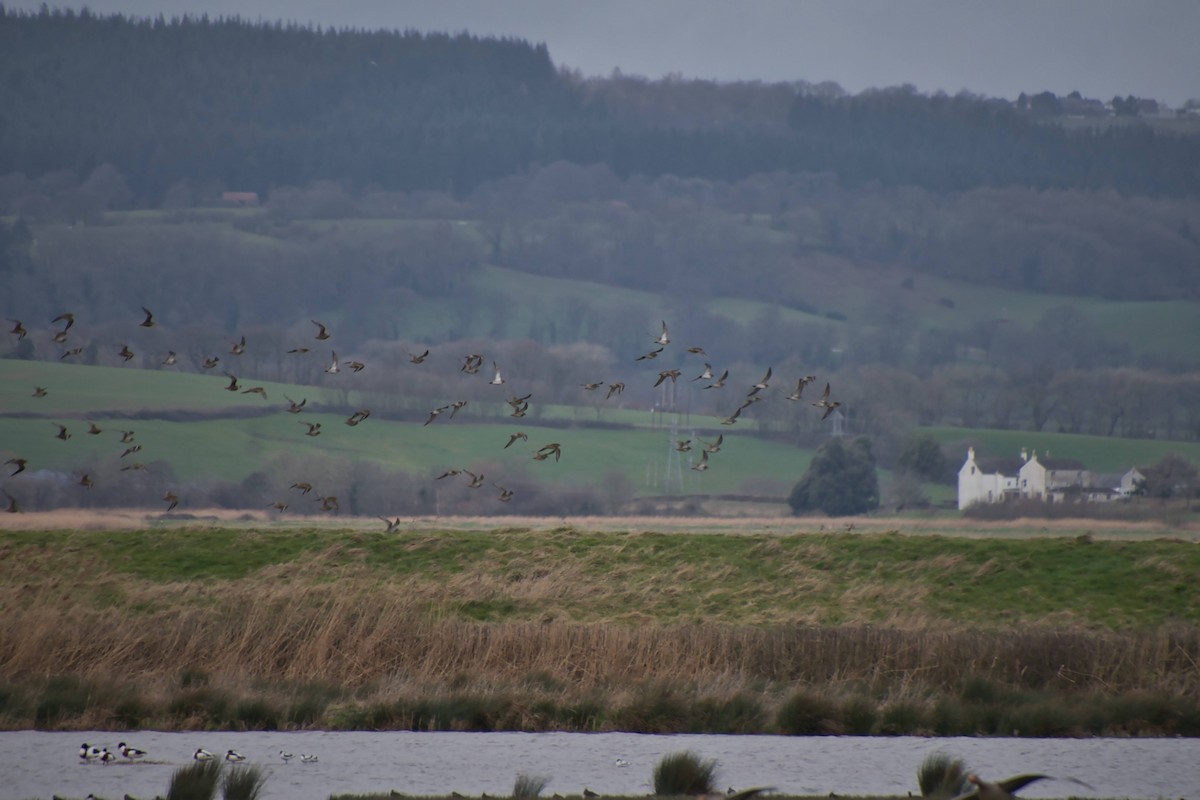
295,655
305,633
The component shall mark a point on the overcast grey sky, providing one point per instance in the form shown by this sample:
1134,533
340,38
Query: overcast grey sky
1148,48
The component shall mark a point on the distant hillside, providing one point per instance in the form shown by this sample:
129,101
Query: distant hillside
231,104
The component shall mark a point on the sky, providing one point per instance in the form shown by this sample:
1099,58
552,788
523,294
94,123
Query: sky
998,48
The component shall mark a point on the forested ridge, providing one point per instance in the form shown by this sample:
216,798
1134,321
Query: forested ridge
258,105
945,260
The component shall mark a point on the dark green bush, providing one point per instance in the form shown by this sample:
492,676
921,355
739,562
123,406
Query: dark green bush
62,697
243,783
859,714
684,773
941,776
196,781
805,713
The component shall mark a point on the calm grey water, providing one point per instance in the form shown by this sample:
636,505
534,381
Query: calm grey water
37,765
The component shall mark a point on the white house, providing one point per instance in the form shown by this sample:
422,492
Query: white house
987,481
1052,479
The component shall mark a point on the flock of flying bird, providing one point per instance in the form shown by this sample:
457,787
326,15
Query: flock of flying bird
471,365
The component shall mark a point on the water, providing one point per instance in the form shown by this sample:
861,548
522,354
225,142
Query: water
37,764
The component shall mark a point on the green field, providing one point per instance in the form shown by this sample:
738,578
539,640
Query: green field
186,421
510,303
204,447
1097,453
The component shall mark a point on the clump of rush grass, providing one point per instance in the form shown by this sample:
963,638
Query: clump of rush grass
941,776
528,786
243,783
684,773
196,781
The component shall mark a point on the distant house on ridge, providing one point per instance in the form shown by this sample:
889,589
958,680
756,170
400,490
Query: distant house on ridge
1054,480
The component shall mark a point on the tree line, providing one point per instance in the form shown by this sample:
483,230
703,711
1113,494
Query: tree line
227,103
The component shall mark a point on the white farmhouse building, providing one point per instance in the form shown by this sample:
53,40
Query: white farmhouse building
1052,479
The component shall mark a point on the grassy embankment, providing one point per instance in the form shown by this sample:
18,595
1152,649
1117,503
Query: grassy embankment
746,630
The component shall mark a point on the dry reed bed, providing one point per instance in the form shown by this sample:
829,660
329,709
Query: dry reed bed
326,633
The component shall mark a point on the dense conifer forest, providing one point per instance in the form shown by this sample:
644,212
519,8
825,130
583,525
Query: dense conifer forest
1030,264
257,105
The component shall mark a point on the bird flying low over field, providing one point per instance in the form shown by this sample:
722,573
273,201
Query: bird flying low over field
826,403
546,450
662,337
472,363
800,384
667,373
1005,789
649,356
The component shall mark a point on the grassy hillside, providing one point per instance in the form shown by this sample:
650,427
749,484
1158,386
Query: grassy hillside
514,304
1097,453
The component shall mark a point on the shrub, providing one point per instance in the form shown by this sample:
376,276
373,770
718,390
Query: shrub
738,714
684,773
941,776
805,713
528,786
243,783
858,715
196,781
657,708
902,717
200,702
256,714
64,696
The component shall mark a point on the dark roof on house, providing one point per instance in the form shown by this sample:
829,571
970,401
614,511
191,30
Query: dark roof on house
1005,466
1061,463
